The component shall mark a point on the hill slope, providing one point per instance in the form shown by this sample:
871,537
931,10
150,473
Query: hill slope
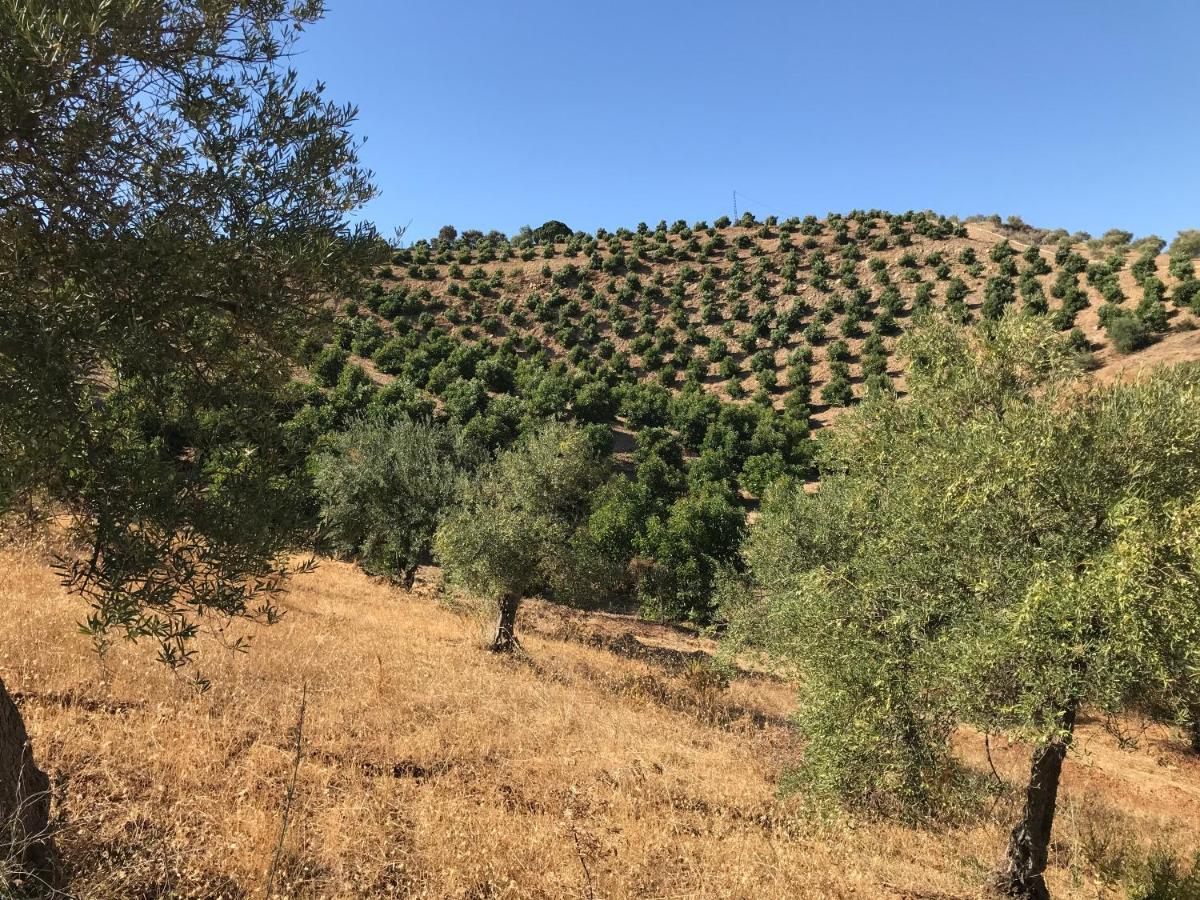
777,307
701,357
429,768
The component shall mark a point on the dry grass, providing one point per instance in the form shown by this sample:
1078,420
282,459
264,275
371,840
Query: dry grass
432,769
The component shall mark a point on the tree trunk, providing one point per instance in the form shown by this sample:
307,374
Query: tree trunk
24,799
1194,726
505,640
1023,872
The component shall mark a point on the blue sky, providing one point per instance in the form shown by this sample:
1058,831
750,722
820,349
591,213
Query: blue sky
1072,114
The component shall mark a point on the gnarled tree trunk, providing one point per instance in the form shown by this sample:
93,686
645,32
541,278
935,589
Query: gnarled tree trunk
505,640
24,798
410,577
1023,872
1194,726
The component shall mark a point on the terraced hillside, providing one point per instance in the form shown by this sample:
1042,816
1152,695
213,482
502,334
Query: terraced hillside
802,314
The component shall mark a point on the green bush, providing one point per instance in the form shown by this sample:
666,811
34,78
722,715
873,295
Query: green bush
1186,244
761,471
1162,878
1152,312
837,391
328,365
997,294
381,487
686,548
1127,333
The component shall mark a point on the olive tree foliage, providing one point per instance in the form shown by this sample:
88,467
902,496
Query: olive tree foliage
172,208
998,549
519,527
1186,244
382,487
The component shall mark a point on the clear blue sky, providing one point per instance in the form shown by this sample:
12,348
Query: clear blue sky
1072,114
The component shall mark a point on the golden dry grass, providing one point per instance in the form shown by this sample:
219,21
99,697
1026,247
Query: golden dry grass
433,769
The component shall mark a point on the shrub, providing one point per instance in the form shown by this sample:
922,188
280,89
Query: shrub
1187,294
1162,878
997,294
838,350
645,405
761,471
463,399
1035,299
595,402
700,533
1001,251
837,391
1182,267
328,365
400,399
381,487
956,291
1186,244
551,231
1151,311
1143,267
1127,333
1077,342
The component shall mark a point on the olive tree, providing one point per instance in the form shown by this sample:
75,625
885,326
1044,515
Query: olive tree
999,549
172,213
382,487
517,530
1186,244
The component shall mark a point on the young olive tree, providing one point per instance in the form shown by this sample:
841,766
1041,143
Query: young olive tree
999,549
383,487
518,529
173,210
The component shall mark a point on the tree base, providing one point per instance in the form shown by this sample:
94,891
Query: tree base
504,640
1022,873
1021,885
25,842
512,645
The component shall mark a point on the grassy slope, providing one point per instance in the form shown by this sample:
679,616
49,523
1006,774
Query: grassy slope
431,768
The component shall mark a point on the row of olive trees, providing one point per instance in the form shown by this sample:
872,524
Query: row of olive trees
391,491
1002,549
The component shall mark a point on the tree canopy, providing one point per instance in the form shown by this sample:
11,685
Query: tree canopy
382,487
518,528
998,549
172,211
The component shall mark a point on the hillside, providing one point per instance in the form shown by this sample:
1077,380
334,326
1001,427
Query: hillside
768,310
599,767
701,358
850,556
